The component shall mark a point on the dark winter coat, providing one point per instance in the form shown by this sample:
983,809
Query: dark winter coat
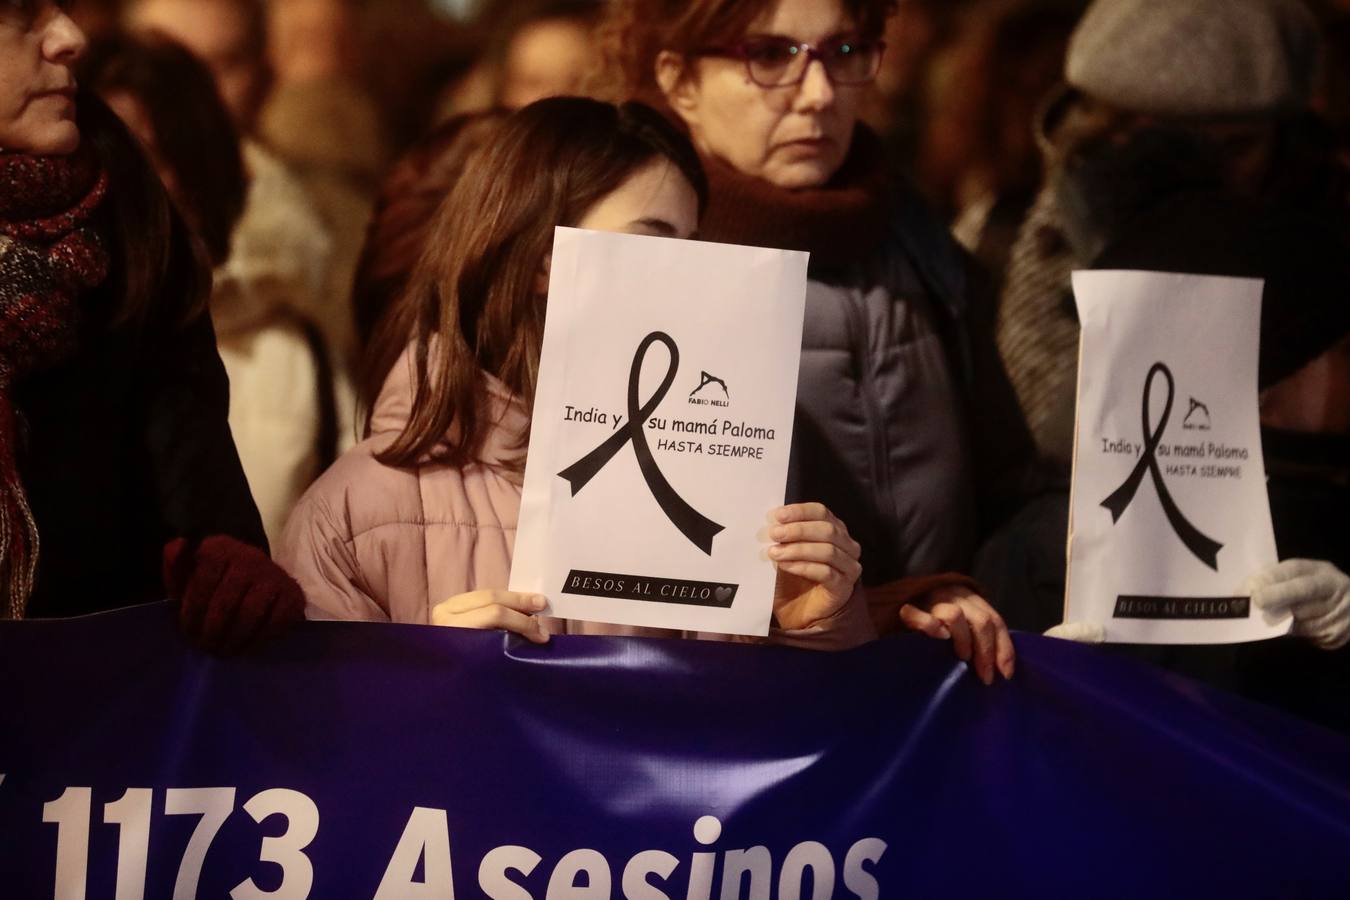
123,447
906,426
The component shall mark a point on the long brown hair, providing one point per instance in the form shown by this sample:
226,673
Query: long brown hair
405,211
474,293
159,267
637,30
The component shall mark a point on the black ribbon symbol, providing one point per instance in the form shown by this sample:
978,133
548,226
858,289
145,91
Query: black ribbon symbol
692,524
1205,548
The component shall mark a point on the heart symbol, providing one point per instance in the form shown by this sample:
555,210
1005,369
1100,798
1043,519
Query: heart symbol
723,594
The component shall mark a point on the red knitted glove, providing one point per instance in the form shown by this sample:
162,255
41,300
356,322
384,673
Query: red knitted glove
233,596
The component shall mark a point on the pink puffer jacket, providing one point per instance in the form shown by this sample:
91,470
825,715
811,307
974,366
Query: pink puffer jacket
376,543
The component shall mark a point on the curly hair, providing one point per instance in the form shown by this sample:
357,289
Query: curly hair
635,31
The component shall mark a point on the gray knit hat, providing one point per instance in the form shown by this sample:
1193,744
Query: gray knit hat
1193,58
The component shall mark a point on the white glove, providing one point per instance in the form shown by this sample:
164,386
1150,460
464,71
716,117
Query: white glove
1314,591
1079,632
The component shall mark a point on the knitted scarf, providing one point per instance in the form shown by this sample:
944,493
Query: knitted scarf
840,223
49,255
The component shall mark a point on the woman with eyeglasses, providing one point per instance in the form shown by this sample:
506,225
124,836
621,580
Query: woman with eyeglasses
906,425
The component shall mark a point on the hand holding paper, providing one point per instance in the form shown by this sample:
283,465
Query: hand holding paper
1078,632
1315,592
504,610
817,565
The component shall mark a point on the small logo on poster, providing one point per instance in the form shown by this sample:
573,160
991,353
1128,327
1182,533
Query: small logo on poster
708,380
1197,417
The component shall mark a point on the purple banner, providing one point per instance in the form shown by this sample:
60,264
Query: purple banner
364,761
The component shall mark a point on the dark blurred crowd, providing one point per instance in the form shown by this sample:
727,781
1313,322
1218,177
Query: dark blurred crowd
309,146
340,106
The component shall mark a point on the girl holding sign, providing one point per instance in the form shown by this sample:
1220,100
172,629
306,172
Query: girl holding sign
417,523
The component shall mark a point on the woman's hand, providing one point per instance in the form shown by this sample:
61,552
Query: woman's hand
817,564
503,610
977,631
1314,592
232,595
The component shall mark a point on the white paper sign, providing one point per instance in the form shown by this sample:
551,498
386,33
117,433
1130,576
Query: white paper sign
1169,512
660,432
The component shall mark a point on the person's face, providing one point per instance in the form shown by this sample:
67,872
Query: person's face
217,32
656,200
1248,153
309,39
39,46
545,59
909,35
792,136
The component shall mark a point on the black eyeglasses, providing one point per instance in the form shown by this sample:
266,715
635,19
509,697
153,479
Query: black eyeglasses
782,62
